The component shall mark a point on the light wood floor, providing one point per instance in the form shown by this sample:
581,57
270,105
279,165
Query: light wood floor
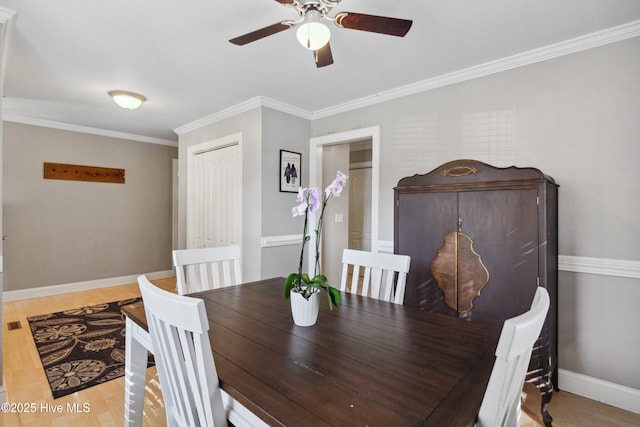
26,383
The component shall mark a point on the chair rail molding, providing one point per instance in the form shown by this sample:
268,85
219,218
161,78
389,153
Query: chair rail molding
385,246
602,266
575,264
284,240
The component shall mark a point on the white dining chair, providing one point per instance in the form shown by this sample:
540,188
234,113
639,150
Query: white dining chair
179,327
204,269
501,403
379,274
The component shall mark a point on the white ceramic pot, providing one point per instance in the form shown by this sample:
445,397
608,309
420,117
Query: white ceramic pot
304,311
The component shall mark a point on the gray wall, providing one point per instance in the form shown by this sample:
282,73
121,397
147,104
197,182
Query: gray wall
267,211
281,131
577,119
249,125
63,232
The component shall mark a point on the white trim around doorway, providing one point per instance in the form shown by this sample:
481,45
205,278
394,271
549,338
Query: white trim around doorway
315,172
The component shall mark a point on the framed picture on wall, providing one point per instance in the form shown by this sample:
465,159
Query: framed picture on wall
290,171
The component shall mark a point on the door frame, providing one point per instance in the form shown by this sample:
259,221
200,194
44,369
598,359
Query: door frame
174,203
315,173
7,24
192,151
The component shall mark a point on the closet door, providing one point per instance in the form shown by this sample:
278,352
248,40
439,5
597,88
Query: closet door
503,225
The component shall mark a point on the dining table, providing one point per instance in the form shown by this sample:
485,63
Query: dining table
365,363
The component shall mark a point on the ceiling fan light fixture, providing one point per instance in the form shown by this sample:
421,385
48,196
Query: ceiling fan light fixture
127,100
313,34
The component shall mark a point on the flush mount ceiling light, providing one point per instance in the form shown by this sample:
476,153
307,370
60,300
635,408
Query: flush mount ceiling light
127,100
313,34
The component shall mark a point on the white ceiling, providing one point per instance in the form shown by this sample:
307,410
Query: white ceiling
66,55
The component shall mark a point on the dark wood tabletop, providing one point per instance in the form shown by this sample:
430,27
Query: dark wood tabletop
366,363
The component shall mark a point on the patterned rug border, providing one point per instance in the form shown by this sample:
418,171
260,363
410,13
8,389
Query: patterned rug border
81,347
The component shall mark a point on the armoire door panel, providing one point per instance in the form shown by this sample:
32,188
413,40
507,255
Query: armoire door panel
434,214
503,225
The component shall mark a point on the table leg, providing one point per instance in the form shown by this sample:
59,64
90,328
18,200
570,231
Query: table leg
134,376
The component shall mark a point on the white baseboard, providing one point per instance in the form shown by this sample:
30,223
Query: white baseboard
44,291
620,396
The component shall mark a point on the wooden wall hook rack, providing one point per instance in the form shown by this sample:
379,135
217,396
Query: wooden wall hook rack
83,173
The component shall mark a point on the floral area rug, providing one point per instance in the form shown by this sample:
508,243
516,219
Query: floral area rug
82,347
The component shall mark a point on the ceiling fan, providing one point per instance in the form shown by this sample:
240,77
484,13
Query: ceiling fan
314,35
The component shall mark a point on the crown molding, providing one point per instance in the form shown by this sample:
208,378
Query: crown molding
578,44
242,107
6,14
85,129
286,108
250,104
567,47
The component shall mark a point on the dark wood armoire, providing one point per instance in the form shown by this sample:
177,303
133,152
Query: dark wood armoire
481,239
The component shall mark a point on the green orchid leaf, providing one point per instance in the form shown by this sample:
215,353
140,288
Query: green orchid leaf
330,301
321,281
290,283
335,296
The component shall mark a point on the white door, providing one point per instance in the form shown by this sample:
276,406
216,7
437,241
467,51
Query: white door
216,211
360,209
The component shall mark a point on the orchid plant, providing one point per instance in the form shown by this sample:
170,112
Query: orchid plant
309,201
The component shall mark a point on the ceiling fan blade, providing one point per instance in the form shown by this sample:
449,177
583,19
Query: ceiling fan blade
373,23
261,33
323,56
285,1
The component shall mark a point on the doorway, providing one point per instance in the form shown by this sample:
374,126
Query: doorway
360,174
317,144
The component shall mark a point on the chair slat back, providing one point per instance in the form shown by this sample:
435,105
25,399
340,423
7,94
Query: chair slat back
179,327
501,403
203,269
384,275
